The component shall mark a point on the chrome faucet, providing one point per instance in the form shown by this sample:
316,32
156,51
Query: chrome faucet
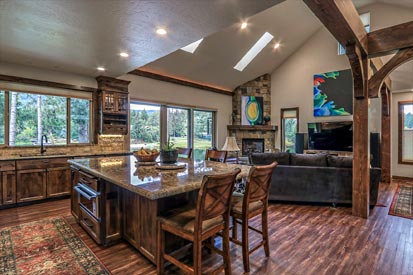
42,149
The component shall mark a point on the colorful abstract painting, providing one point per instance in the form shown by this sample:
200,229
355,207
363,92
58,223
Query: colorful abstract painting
251,110
333,94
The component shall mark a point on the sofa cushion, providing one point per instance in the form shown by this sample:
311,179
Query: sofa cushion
318,160
340,162
282,158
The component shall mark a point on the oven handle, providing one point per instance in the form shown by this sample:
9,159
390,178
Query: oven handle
84,193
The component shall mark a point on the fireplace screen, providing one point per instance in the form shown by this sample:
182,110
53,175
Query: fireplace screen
252,145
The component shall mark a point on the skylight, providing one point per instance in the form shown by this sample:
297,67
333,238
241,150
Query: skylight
254,51
191,48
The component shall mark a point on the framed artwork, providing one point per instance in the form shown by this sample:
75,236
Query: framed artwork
333,94
251,110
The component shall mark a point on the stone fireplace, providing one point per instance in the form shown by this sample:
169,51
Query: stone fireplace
252,145
259,87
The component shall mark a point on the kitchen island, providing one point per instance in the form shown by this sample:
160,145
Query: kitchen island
113,198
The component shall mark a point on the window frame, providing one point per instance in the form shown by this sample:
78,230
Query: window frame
164,119
68,120
400,114
282,130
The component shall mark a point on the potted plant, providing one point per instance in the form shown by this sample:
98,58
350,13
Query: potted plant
169,154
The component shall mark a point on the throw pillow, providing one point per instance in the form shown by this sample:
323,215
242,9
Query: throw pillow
340,162
319,160
282,158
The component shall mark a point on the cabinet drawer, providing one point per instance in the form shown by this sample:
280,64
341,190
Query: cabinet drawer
58,162
32,164
90,224
89,180
8,165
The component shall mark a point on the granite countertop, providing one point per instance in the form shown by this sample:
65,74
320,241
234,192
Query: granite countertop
151,182
62,155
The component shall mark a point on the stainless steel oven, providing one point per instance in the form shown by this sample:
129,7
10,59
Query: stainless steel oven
89,199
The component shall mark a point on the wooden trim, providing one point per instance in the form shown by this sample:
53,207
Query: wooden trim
179,81
386,41
36,82
375,82
400,133
296,109
253,127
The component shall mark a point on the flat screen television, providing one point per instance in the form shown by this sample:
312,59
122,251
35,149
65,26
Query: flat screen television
334,136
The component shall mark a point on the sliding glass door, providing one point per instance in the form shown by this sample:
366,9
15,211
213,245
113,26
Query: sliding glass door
145,126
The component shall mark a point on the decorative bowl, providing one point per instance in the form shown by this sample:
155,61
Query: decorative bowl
146,158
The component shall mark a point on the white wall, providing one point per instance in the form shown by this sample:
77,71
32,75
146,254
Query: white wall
401,170
292,82
159,91
46,75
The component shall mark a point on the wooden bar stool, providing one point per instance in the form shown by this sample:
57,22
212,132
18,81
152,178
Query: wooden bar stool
216,155
210,216
254,202
184,152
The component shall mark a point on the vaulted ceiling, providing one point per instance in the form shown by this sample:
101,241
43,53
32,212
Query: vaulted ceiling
77,35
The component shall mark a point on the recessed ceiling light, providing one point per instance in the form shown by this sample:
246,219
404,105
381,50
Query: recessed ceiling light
254,51
276,46
101,69
244,25
123,54
161,31
191,48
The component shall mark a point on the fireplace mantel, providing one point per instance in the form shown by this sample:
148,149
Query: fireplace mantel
253,128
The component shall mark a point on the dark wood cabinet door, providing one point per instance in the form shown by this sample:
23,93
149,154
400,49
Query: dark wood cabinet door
74,198
31,185
130,210
8,187
58,182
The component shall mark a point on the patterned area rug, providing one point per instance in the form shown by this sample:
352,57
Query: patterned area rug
47,246
402,204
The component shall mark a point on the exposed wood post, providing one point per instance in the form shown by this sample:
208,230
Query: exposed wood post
361,143
385,135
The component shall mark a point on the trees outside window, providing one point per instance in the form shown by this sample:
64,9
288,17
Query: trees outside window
289,129
406,132
145,129
185,126
33,115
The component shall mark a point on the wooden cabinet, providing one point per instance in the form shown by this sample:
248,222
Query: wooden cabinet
7,182
42,178
74,199
112,106
31,185
58,182
8,187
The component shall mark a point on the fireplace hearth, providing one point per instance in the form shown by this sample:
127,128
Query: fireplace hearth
252,145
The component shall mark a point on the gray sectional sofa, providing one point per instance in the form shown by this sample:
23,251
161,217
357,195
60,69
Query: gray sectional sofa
317,178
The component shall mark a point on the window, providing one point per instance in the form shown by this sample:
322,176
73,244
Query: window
30,116
145,126
365,18
178,126
151,125
79,120
203,132
289,128
406,132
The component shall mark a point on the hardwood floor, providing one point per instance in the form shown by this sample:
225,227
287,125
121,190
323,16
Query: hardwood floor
303,240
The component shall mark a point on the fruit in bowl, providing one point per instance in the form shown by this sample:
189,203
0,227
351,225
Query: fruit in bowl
146,155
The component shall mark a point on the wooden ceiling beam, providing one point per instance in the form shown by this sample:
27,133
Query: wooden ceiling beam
341,18
180,81
388,40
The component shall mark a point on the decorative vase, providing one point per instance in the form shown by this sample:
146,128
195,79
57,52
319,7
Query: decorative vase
168,156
